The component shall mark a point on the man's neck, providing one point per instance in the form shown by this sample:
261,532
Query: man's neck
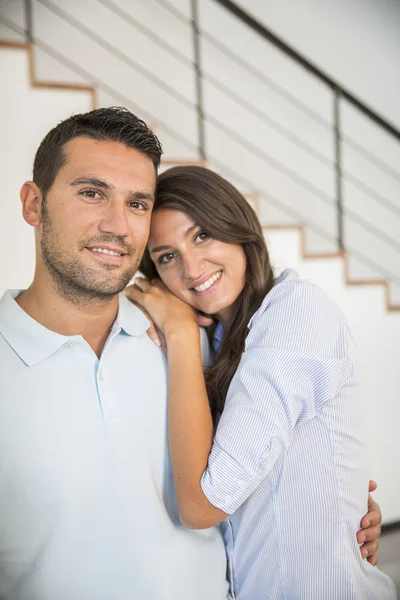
92,320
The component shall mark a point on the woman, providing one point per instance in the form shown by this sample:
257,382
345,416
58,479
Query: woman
285,473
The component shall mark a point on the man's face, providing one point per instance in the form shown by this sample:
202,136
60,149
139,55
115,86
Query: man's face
95,219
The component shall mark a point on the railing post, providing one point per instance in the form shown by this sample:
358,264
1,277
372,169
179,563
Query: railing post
28,21
198,82
338,168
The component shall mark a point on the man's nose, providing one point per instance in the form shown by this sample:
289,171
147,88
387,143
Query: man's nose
115,220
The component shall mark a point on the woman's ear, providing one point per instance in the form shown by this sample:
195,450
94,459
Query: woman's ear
31,199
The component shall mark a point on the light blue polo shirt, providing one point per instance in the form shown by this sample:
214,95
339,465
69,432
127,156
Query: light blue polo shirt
87,506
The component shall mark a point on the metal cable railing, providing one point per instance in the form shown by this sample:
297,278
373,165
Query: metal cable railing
102,85
293,100
133,64
305,222
311,68
161,43
201,74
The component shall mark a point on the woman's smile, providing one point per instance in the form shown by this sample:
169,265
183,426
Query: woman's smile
204,272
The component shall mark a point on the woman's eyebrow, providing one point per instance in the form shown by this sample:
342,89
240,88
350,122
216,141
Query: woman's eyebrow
161,248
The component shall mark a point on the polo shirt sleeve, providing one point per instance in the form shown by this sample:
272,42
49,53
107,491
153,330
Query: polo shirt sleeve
296,359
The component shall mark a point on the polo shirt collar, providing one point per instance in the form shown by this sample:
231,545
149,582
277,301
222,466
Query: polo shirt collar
28,338
34,343
130,318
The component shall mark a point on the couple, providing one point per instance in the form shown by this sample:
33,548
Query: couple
108,492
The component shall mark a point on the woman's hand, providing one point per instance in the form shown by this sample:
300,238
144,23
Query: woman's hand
167,312
371,524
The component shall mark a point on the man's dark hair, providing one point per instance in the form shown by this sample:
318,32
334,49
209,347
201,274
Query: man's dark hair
114,124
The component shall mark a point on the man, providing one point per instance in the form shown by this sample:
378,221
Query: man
87,507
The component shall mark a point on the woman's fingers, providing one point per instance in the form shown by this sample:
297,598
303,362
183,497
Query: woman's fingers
153,334
134,292
369,536
373,516
370,549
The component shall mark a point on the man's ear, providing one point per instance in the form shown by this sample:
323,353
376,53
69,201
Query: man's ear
31,199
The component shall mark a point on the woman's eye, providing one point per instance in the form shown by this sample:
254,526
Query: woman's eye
202,236
166,258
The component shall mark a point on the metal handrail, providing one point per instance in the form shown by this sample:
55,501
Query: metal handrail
360,185
317,192
372,158
198,80
303,221
102,85
28,21
267,34
224,89
174,11
120,55
255,111
191,146
128,18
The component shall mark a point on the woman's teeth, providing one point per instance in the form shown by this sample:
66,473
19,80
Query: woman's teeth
207,284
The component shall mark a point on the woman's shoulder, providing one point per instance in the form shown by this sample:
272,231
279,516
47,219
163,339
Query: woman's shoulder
297,314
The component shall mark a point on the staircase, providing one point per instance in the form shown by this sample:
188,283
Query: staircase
289,176
303,151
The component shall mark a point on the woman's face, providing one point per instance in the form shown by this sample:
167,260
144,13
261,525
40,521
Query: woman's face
203,272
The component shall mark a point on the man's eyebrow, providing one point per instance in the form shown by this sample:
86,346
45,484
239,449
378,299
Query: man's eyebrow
95,182
91,181
142,196
161,248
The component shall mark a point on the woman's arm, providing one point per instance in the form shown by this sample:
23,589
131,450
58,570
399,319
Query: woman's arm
190,426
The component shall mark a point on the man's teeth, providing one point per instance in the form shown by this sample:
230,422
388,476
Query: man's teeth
106,251
207,284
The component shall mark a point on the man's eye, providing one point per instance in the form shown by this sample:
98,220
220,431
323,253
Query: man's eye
166,258
138,205
90,194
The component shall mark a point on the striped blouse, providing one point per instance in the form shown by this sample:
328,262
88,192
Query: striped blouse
288,459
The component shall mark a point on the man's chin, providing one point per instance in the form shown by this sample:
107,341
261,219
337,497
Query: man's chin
88,291
108,289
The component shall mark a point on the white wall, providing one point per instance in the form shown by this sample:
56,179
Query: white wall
356,42
26,115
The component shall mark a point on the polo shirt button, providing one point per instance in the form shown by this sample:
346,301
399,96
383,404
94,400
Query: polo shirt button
228,498
241,484
101,377
73,344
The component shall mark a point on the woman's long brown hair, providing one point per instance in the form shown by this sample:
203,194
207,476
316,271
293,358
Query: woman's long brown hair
221,211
